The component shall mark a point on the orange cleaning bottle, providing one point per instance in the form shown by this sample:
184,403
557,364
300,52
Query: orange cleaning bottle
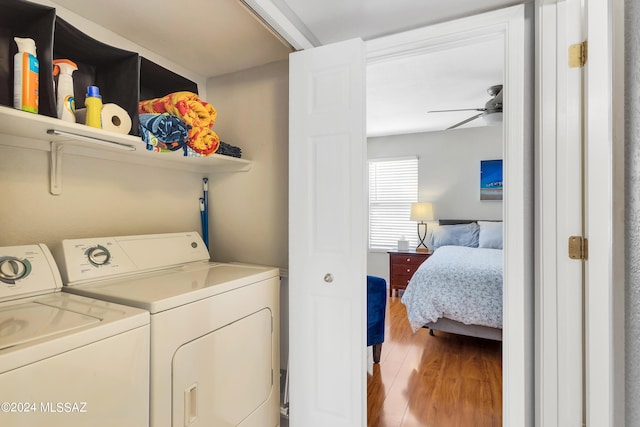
26,72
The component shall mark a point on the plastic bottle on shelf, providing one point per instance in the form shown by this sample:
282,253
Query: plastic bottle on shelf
26,72
66,107
93,102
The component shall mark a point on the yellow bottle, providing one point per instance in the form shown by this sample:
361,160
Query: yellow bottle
93,102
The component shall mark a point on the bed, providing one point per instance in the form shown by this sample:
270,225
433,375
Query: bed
458,289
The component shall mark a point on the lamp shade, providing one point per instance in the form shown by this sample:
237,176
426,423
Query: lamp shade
422,211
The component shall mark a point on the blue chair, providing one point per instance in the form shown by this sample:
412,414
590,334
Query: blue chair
376,307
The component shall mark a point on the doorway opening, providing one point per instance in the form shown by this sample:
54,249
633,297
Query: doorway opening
514,141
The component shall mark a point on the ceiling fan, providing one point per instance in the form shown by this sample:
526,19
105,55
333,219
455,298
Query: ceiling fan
492,106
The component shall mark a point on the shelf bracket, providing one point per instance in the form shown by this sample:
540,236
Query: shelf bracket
55,169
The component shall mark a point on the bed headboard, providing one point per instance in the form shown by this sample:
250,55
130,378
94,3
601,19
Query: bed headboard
455,221
464,221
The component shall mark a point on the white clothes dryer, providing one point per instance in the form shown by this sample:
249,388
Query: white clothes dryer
67,360
214,326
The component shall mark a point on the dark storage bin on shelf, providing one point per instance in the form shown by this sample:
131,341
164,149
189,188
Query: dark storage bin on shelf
115,71
24,19
123,77
156,81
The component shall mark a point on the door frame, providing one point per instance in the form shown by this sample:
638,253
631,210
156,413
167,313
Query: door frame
606,34
605,266
559,320
514,25
508,24
604,380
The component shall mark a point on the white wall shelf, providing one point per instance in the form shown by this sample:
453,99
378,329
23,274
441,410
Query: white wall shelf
44,133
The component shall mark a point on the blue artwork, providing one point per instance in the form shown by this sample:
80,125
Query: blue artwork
491,180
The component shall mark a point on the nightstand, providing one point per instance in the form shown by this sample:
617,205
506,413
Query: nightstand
402,265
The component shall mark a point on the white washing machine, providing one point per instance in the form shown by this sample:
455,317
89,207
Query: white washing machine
214,326
67,360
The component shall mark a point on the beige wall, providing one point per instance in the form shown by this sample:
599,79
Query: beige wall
99,198
249,210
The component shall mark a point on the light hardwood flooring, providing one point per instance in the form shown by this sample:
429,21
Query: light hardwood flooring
442,381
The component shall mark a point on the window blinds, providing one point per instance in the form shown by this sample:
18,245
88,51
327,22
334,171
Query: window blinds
393,186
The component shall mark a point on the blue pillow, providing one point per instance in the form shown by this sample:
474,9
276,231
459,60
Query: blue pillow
455,235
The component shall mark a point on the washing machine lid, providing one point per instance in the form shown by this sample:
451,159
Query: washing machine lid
22,323
163,290
40,327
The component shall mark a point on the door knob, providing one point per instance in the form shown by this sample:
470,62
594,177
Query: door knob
328,277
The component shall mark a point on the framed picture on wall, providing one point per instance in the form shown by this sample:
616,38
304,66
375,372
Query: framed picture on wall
491,180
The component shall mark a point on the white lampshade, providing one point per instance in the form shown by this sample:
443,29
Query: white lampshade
422,211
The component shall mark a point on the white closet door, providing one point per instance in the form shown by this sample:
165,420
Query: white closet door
327,236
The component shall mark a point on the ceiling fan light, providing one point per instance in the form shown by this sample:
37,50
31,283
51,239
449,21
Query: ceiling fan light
492,119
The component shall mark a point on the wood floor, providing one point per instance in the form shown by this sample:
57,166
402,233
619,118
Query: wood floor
441,381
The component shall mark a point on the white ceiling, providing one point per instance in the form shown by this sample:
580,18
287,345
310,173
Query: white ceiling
400,93
215,37
334,20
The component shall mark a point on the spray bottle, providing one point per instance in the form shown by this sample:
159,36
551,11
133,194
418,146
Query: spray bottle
26,70
93,102
66,106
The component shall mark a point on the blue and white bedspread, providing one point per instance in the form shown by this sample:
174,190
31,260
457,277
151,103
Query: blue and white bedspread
459,283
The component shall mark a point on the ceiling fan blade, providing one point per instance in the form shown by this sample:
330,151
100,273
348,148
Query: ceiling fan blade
463,109
498,98
465,121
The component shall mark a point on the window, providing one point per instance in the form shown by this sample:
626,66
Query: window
393,186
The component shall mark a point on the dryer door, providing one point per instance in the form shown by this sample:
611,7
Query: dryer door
224,378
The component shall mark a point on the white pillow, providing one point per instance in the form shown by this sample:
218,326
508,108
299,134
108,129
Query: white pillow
490,234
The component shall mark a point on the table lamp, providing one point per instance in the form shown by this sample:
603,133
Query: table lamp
422,211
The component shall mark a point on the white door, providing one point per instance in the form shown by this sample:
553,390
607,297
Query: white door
327,236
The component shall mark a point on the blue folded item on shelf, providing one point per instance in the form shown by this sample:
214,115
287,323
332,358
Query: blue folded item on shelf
163,131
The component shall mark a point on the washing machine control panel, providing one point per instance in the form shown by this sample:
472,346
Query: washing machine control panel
106,257
85,259
27,270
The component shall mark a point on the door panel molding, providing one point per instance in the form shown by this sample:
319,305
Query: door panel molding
327,237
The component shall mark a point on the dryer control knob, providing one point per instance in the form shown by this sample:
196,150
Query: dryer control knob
12,268
98,255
